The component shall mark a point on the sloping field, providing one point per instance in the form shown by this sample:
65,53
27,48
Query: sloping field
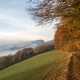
34,68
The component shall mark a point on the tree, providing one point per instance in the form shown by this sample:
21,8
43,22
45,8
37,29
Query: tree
6,61
67,36
67,11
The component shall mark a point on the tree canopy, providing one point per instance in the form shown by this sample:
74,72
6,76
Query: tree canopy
67,37
47,10
68,11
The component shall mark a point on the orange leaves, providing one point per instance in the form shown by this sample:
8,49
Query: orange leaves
67,36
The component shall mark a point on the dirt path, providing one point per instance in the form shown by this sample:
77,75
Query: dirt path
60,71
74,67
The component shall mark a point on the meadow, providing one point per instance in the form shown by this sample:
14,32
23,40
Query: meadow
34,68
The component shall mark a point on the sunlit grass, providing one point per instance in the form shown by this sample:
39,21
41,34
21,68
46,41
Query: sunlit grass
32,69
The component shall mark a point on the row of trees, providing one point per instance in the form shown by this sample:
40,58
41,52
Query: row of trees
23,54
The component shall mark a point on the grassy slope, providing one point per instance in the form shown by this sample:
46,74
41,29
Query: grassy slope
32,69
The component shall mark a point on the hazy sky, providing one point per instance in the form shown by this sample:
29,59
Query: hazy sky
16,24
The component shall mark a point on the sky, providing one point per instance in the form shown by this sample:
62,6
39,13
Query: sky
17,24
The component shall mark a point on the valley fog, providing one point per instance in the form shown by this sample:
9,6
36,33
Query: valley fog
10,48
9,52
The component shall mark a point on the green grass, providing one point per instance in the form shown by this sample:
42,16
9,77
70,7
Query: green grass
34,68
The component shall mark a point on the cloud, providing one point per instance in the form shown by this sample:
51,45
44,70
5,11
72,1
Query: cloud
16,24
13,22
16,29
20,27
21,36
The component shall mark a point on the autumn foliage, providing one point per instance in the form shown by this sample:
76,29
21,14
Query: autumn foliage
68,31
68,35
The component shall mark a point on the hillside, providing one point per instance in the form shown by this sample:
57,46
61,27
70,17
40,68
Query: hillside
34,68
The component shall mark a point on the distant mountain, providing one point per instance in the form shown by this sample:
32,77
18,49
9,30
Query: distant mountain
37,43
19,45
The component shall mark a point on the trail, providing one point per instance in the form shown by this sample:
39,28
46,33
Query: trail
74,67
60,71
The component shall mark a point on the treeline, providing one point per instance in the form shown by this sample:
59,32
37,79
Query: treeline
23,54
